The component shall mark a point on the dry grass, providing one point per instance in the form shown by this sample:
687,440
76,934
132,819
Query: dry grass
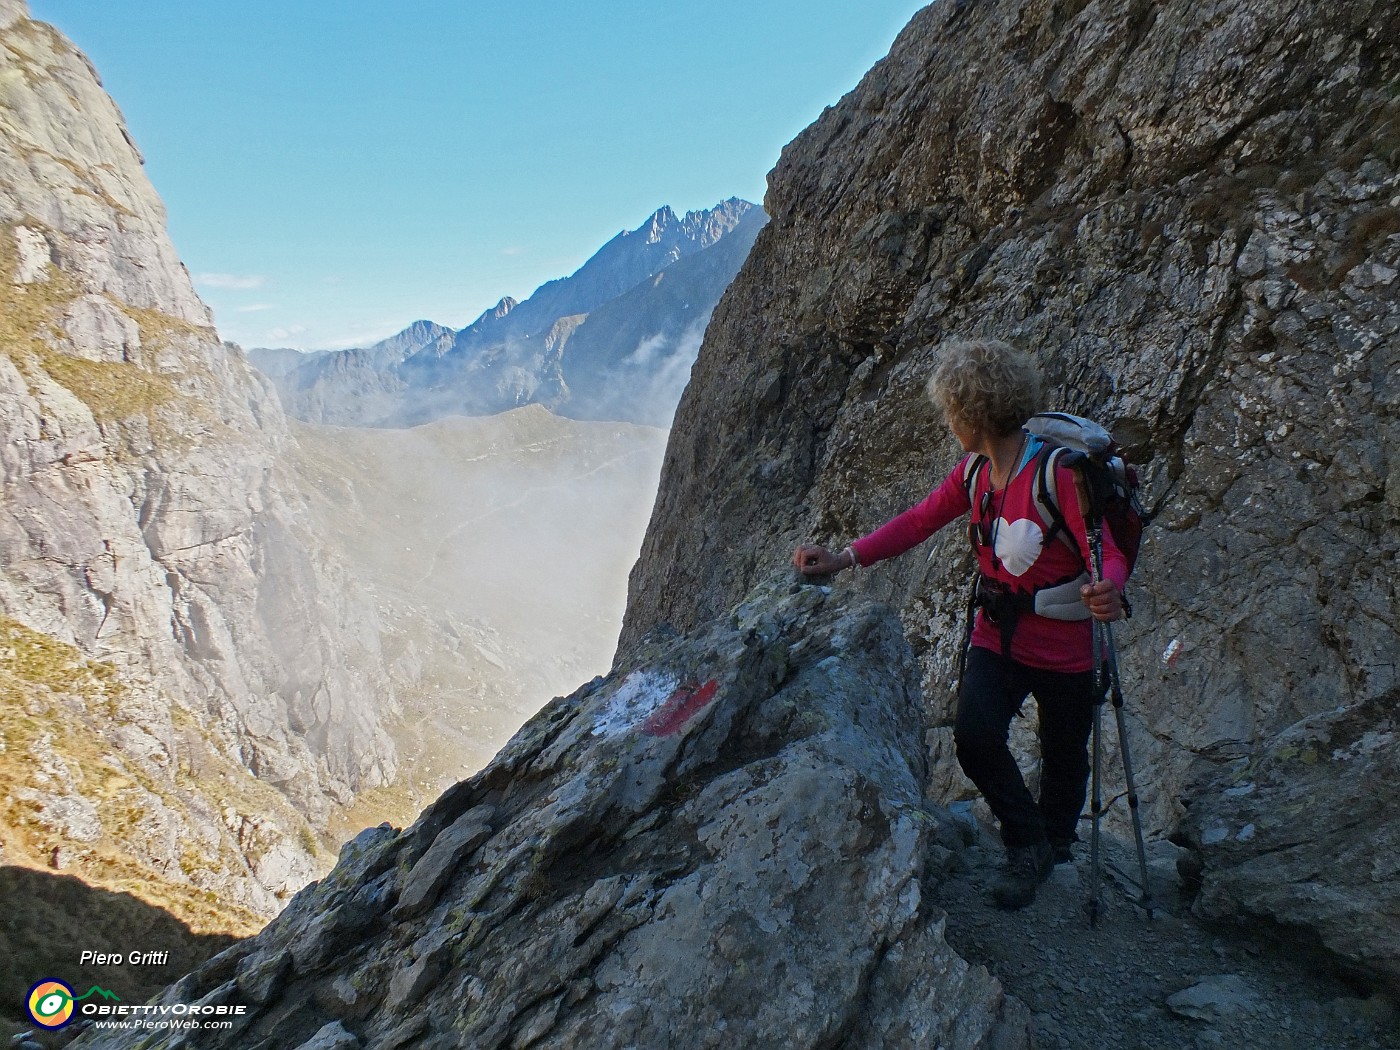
113,391
39,659
397,803
54,706
159,328
29,316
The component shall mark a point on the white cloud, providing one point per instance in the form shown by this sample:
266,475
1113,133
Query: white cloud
253,308
647,350
512,251
230,281
345,338
278,335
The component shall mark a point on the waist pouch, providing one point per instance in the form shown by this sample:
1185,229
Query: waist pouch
1061,601
1003,606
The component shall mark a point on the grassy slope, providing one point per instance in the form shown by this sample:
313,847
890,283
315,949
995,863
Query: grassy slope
58,715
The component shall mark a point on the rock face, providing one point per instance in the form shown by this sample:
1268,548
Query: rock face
615,340
1303,832
1191,214
142,527
722,844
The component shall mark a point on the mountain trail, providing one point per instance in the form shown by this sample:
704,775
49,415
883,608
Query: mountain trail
1170,982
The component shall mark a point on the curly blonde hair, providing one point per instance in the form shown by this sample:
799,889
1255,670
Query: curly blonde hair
985,384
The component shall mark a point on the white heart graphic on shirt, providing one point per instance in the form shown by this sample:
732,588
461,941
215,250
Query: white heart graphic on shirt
1018,544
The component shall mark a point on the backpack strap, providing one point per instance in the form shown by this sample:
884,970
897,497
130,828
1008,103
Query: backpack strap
1047,494
972,466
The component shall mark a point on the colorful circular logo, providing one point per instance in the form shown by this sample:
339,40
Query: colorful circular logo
51,1004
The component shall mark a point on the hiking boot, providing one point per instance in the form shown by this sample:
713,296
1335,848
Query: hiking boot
1059,848
1025,868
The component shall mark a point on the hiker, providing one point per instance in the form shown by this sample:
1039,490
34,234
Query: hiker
987,390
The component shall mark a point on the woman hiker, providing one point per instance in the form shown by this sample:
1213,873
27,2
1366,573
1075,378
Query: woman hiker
986,391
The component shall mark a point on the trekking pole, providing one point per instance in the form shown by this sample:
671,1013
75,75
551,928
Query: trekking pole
1117,687
1106,678
1093,905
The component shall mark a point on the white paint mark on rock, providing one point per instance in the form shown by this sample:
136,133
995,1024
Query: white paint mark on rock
640,693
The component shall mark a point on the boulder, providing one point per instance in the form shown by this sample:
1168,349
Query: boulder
1303,834
723,843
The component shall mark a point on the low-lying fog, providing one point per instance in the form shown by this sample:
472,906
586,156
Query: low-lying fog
497,549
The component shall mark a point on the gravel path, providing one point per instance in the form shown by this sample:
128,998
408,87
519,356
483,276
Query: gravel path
1170,982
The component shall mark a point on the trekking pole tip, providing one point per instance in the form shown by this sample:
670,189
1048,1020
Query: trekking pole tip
1093,907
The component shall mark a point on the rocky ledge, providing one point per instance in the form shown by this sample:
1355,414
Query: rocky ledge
722,843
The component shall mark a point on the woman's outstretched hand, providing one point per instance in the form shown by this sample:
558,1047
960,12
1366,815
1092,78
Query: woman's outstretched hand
813,560
1103,600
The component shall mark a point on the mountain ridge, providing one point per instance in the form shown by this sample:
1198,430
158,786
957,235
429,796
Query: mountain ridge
517,352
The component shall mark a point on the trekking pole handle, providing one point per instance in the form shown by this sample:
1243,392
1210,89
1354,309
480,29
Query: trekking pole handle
1103,634
1095,552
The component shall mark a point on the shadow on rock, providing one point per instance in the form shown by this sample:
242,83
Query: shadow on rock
50,920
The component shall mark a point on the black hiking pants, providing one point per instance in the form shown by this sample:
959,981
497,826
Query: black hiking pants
993,689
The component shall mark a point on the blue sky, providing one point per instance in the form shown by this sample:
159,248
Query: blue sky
335,171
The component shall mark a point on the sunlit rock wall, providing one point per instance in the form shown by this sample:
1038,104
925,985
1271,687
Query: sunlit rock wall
1190,213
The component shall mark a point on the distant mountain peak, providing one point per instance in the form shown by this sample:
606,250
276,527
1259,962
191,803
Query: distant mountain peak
709,225
413,339
661,221
516,351
420,330
736,207
503,307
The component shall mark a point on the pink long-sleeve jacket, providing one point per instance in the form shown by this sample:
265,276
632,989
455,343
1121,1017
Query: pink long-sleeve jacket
1016,555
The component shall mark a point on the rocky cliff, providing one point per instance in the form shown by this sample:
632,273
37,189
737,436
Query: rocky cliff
1191,214
171,632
